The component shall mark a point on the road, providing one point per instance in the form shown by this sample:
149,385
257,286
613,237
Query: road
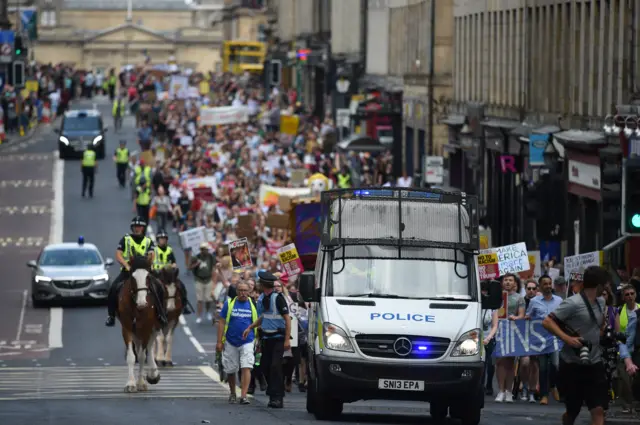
61,365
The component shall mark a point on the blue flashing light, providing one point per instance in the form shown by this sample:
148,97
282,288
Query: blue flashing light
81,240
392,193
373,193
422,348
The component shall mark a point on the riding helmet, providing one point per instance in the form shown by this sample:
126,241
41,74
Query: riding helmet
138,221
162,234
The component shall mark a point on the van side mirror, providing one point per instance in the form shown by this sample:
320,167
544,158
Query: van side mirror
32,264
307,286
108,262
493,299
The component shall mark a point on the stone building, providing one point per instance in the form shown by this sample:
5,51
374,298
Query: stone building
103,34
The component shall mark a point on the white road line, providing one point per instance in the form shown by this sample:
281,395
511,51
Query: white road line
55,236
23,309
192,338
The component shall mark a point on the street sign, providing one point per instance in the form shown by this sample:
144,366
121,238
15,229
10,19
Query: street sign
7,39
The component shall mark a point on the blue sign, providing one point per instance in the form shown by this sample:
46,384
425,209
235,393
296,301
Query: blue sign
550,250
537,145
516,338
403,317
26,16
7,37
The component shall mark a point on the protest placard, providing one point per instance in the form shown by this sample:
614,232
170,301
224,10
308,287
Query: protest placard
510,259
290,260
579,263
517,338
192,238
240,255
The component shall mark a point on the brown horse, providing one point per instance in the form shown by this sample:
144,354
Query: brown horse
173,306
137,313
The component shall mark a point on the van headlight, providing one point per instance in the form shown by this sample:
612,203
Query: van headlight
468,344
97,139
335,338
64,140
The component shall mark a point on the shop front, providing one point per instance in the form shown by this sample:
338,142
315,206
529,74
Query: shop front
583,177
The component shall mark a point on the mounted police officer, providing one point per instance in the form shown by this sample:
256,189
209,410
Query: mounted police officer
164,257
275,325
135,243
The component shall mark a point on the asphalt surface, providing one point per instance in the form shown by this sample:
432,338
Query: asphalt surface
62,366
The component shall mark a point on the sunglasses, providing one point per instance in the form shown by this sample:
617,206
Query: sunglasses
532,288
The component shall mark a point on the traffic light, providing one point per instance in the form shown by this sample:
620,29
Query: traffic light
632,196
20,47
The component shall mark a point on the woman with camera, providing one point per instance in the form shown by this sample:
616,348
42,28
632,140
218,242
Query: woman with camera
579,322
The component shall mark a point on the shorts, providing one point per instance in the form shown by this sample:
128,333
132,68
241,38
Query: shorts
236,358
583,384
203,292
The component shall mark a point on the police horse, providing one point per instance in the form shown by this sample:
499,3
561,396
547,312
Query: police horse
137,313
173,306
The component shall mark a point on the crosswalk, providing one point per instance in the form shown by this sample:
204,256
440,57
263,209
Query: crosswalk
67,383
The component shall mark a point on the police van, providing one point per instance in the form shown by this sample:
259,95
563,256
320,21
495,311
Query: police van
79,130
396,302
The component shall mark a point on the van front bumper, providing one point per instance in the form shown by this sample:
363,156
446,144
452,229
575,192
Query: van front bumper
352,380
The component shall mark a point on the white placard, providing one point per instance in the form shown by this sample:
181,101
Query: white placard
223,115
579,263
511,258
193,238
434,170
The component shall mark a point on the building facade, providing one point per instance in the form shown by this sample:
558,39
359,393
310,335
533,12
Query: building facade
101,35
533,83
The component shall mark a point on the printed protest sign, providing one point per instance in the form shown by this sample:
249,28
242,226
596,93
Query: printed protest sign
535,266
579,263
510,259
290,260
193,238
516,338
240,255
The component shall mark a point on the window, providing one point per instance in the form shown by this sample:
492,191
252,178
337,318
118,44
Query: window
81,124
48,18
70,257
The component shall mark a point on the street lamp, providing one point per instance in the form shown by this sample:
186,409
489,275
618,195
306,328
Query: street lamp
628,131
610,127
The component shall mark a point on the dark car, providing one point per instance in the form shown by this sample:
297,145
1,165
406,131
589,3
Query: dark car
79,130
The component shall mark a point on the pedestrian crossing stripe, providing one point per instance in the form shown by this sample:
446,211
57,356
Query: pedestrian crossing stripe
60,383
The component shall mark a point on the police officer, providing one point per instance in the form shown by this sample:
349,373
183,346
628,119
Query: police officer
344,178
143,198
141,170
88,170
121,158
163,257
275,325
135,243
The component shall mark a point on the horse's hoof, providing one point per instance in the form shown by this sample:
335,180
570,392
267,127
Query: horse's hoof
162,363
142,386
168,363
130,389
153,381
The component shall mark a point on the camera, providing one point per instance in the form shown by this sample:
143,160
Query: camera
583,352
611,337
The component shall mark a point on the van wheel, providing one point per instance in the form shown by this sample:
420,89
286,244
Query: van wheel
469,412
323,407
438,411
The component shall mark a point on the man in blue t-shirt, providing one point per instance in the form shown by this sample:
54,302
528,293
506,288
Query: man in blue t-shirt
237,352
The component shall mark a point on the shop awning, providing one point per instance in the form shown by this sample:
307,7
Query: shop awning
455,120
526,131
362,144
581,137
501,123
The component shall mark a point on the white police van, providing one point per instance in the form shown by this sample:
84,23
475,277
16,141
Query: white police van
396,302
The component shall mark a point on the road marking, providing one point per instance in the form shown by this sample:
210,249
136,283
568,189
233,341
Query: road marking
22,242
187,331
25,157
33,329
25,210
16,184
55,236
23,309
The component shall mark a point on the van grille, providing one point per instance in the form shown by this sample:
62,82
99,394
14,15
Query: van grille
382,346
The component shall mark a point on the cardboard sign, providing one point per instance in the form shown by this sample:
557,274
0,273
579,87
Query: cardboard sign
510,259
244,228
290,260
278,221
579,263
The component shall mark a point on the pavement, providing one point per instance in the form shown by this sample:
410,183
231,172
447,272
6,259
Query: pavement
62,366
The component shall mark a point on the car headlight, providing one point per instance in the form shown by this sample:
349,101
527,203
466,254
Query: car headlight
64,140
335,338
97,139
43,279
468,344
101,278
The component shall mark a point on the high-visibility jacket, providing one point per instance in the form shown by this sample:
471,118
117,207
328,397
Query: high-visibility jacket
254,317
89,158
144,197
122,155
344,181
118,103
131,247
139,172
161,257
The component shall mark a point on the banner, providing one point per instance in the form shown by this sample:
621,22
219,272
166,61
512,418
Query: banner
579,263
507,259
223,115
290,260
204,188
269,195
537,146
307,228
516,338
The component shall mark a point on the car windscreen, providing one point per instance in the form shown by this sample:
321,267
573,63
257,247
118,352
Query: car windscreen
81,124
70,257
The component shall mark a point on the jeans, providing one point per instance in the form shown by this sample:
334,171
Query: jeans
489,364
548,372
